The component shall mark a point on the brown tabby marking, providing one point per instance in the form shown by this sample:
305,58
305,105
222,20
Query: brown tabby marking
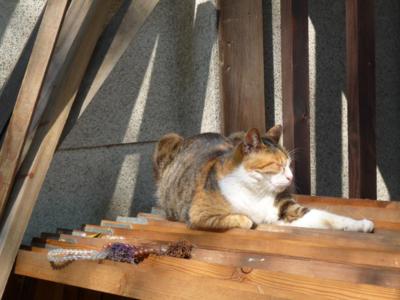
289,209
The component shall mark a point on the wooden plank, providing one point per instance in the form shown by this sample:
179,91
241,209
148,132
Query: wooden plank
276,263
354,202
37,162
242,57
295,88
10,153
326,238
333,250
193,279
360,64
385,238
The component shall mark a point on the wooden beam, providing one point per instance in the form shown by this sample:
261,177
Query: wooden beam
14,140
381,237
295,88
34,168
360,44
340,250
310,268
193,279
242,57
354,202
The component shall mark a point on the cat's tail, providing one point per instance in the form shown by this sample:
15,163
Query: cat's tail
165,151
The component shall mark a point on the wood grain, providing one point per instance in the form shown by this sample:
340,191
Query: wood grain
360,92
15,136
193,279
242,68
295,88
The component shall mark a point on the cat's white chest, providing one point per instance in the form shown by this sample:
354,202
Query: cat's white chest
246,200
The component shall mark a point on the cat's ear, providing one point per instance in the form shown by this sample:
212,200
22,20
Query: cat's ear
237,137
252,140
274,133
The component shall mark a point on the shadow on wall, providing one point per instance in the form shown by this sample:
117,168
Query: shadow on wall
6,12
9,91
193,51
387,28
103,167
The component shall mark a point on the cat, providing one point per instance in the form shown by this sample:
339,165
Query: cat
214,182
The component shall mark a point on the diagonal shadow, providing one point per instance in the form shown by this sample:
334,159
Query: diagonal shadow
194,46
387,27
9,91
6,12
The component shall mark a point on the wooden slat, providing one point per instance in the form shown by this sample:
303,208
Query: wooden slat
193,279
241,50
295,88
10,153
276,263
353,202
360,63
383,238
334,250
37,162
324,238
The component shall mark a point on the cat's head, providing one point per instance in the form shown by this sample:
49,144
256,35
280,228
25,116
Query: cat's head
263,161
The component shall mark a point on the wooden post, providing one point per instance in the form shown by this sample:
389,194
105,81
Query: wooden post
360,43
28,96
295,88
241,50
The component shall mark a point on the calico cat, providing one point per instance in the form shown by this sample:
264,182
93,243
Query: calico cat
213,182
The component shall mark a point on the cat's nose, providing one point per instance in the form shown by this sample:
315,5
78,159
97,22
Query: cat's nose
289,176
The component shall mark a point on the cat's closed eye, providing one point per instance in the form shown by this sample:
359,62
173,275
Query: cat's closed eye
270,168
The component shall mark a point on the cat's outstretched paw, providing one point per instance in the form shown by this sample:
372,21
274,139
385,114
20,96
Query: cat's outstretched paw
363,225
367,225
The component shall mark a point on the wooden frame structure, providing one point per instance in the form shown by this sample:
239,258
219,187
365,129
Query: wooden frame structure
282,262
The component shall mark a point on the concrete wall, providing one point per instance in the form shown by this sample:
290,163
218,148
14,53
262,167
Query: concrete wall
167,80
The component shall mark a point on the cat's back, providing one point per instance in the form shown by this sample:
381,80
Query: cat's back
176,183
196,151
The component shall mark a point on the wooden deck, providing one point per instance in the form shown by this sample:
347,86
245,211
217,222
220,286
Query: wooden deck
271,262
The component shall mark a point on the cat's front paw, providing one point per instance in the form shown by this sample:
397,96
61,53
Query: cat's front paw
363,225
244,222
366,225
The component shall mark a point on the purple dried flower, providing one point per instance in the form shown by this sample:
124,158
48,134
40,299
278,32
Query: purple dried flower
121,252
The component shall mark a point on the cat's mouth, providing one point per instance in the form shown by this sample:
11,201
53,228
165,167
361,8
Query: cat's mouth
279,187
